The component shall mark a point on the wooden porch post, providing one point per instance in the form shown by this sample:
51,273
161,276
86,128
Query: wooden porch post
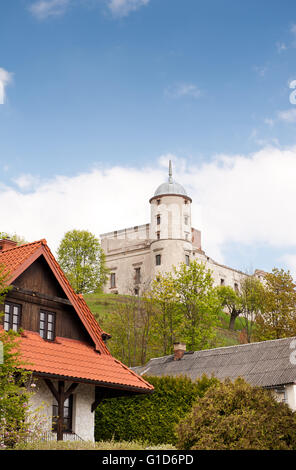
61,399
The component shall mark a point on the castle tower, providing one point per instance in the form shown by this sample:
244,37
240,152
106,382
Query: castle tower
170,226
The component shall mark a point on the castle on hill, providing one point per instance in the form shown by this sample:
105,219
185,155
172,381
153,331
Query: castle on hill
136,255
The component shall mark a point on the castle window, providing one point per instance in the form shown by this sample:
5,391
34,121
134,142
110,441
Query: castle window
47,325
158,260
236,287
158,235
112,280
12,316
186,218
158,219
187,260
137,275
136,291
158,201
222,282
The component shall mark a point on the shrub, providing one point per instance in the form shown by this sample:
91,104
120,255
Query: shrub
151,418
235,415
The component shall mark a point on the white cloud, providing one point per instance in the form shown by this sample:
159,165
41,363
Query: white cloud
124,7
290,261
281,46
183,89
269,122
43,9
261,70
5,79
240,199
288,115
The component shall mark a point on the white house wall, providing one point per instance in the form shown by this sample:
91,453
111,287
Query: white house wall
82,420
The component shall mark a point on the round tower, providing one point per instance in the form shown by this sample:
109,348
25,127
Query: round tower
170,226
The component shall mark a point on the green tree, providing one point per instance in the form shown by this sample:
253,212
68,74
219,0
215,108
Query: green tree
16,238
231,300
277,318
168,317
199,304
83,261
131,328
237,416
252,300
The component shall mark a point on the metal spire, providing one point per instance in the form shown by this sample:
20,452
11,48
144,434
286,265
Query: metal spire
170,172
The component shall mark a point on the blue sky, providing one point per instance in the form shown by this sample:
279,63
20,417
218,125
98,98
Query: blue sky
119,85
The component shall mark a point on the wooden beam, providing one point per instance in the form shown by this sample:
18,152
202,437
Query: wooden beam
61,400
70,390
52,388
39,295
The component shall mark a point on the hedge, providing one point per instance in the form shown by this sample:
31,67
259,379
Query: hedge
153,417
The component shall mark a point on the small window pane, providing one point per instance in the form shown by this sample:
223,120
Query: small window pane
49,318
7,308
42,316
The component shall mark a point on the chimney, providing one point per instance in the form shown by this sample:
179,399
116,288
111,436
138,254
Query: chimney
6,244
179,350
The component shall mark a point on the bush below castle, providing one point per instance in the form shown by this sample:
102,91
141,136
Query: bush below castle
150,418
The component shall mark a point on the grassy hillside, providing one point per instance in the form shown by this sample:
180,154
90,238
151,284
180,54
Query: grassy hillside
102,306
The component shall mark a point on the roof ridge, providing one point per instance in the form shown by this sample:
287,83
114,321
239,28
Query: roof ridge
223,348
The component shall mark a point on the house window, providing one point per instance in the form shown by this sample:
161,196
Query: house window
187,260
47,325
112,280
222,282
68,412
12,316
158,220
137,275
158,260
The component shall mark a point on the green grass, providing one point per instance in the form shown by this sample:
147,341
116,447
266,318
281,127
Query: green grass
80,445
102,305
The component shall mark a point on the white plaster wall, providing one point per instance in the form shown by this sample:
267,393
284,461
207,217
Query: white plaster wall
82,419
291,396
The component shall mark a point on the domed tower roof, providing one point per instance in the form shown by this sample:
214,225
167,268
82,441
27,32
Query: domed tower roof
170,187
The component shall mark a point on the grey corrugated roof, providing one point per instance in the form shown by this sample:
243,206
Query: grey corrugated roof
264,364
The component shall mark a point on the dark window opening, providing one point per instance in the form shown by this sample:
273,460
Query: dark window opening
112,280
47,325
236,286
68,412
158,260
187,260
137,275
158,201
158,235
136,291
222,282
158,220
12,316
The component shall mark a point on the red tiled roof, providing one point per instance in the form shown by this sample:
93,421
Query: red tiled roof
61,357
77,360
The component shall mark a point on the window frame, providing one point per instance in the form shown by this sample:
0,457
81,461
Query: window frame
11,315
158,219
68,420
187,260
158,260
46,330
